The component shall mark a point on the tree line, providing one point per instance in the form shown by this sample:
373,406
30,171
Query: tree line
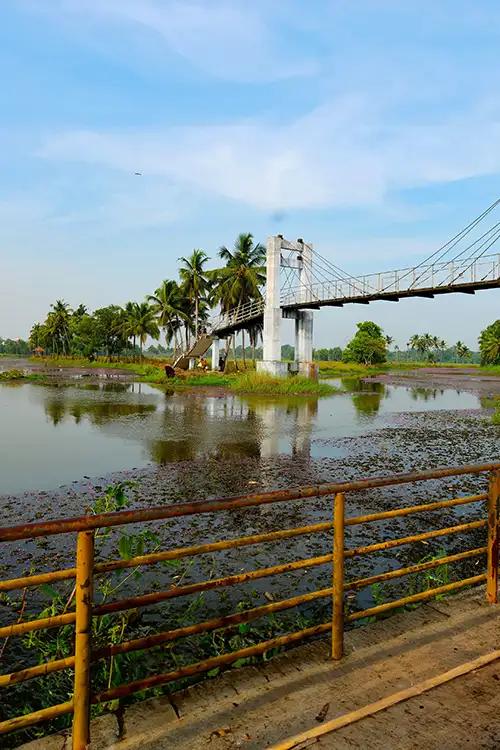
178,308
371,346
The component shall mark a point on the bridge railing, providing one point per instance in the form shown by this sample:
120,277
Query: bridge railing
442,274
87,611
237,315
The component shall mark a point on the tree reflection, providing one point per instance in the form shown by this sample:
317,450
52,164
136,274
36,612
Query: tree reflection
368,398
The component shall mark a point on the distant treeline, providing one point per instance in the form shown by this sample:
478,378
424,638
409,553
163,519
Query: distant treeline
14,346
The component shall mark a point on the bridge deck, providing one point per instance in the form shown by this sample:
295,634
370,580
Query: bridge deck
256,707
393,296
227,325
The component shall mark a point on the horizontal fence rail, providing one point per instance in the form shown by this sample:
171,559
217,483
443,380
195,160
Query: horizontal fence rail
87,569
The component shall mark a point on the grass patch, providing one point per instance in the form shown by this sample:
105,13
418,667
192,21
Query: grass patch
260,383
13,376
339,369
100,363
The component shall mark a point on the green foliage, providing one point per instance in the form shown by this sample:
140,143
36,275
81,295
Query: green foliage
328,355
369,345
195,284
268,385
11,375
18,347
489,344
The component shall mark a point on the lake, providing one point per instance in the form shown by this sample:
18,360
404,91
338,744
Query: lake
51,435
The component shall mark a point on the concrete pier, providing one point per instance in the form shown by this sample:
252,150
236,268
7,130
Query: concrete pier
271,362
215,353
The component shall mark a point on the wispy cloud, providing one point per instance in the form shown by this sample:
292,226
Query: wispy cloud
341,154
230,39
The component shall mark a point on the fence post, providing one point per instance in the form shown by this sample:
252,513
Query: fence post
83,632
493,502
338,576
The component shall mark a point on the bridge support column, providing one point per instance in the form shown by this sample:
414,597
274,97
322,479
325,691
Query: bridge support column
305,318
215,353
271,336
304,340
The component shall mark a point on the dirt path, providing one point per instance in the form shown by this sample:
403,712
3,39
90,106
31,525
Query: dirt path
256,707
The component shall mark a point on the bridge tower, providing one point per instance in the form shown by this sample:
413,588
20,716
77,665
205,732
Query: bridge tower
300,258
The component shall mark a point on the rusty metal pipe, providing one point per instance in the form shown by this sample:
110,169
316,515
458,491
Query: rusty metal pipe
338,577
40,670
19,628
416,509
215,623
201,549
67,573
21,722
38,579
492,565
82,523
417,568
83,639
192,588
423,596
415,538
208,664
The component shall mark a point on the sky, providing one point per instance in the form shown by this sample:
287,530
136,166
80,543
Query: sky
369,128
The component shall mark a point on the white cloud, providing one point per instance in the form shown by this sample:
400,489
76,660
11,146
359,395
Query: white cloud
339,155
229,39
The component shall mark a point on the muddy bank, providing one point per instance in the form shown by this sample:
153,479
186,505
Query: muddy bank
466,379
43,367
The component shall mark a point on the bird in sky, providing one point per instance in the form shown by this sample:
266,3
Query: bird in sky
138,173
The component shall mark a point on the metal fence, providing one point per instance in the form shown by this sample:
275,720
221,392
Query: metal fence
87,569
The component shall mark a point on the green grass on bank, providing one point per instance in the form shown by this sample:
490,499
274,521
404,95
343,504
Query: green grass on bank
295,385
12,376
244,379
339,369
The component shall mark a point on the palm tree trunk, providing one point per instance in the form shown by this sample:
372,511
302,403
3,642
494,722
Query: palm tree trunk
234,351
196,312
243,348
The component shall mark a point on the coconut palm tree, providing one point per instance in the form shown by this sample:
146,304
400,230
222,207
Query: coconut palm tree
58,326
489,344
243,275
195,282
128,326
241,279
462,350
144,322
167,303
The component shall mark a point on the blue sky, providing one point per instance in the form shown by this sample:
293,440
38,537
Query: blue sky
370,128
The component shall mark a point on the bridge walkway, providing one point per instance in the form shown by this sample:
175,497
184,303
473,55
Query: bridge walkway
257,707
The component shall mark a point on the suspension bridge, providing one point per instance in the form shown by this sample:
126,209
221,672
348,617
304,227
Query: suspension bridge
300,280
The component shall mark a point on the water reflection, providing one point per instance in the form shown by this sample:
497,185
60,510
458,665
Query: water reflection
53,434
367,398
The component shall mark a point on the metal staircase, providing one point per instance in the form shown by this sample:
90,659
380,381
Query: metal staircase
198,349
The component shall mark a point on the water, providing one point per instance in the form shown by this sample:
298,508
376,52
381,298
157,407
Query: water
53,434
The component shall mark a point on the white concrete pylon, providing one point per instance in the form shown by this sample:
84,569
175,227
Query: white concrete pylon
273,313
271,336
304,319
215,353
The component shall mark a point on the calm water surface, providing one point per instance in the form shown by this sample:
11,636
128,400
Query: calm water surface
52,435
